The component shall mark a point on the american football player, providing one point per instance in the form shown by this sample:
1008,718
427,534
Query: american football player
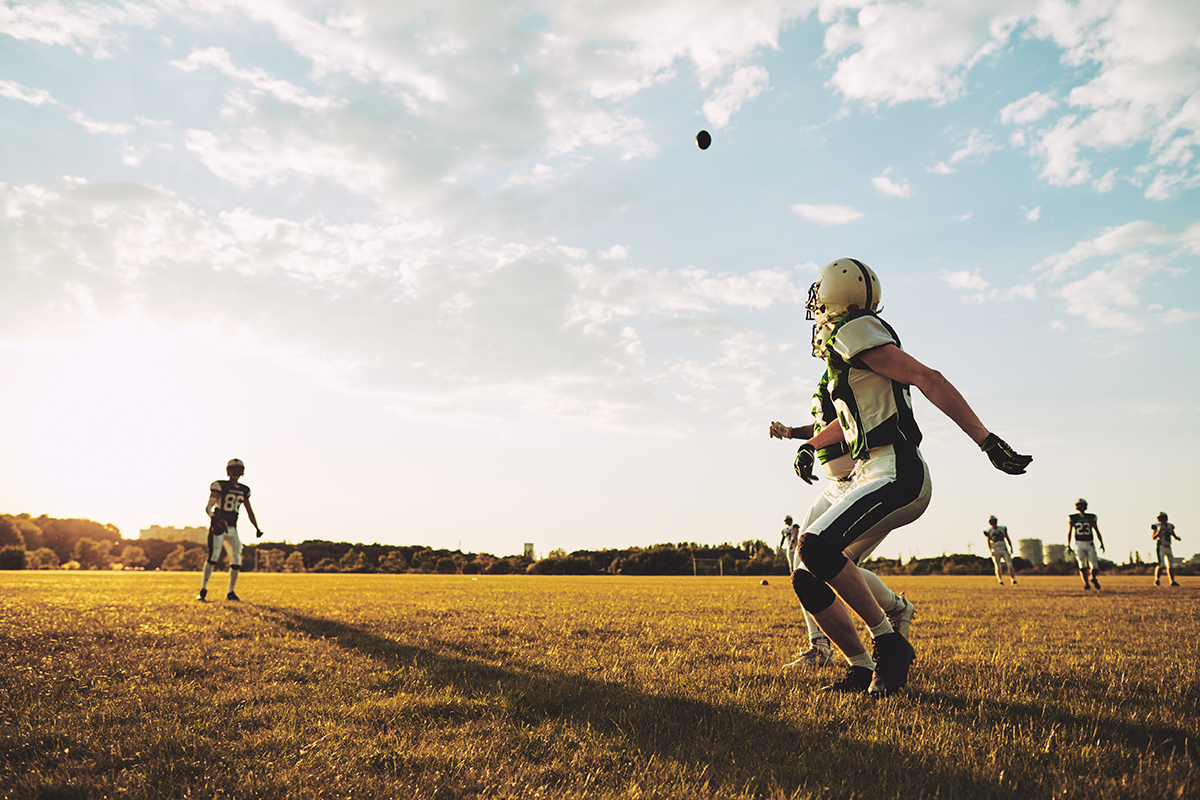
838,466
225,498
1001,547
869,380
1162,532
1086,530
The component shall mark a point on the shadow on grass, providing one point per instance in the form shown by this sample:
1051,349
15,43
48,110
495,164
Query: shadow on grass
735,748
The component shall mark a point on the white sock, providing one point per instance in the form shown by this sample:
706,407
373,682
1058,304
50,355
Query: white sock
207,575
233,576
888,600
863,659
884,627
814,630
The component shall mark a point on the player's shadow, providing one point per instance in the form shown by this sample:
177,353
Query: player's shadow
762,748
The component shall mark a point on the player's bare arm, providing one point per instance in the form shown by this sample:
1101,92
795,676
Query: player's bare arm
892,362
781,431
830,434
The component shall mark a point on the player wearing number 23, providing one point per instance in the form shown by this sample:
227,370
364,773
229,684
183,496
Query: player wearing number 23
225,500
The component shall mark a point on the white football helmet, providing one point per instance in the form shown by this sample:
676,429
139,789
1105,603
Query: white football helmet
842,287
235,464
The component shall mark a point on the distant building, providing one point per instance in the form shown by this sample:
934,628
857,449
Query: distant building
1055,553
1030,550
529,551
173,534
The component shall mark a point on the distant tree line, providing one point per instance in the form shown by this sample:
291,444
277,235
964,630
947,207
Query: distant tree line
47,543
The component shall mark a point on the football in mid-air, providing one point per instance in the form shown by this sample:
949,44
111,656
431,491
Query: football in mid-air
703,140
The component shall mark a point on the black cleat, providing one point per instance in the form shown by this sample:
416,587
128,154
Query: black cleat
893,656
233,597
1095,583
855,681
203,596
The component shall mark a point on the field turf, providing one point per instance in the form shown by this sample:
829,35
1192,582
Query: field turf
119,685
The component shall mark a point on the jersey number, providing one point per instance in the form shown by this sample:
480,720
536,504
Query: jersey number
231,502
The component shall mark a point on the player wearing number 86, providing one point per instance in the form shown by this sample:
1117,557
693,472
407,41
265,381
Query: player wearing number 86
225,499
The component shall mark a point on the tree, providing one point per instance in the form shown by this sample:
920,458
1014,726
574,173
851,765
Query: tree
326,565
271,560
353,561
394,561
31,532
92,554
134,557
294,562
42,558
12,557
174,560
10,534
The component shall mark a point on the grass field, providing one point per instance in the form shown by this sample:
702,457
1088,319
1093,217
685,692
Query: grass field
119,685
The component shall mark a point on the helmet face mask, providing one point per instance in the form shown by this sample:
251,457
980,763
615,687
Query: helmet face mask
842,287
235,466
1081,504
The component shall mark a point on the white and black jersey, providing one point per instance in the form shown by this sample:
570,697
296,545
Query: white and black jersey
230,496
1083,526
874,410
1164,532
997,534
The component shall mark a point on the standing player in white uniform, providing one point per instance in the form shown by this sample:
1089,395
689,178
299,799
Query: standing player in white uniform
838,466
1001,547
224,500
1086,530
869,379
1163,532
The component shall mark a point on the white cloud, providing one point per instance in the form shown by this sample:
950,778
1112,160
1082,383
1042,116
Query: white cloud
1028,109
888,188
75,25
387,306
827,215
1032,214
963,217
1108,296
964,279
15,91
743,86
94,126
260,80
615,253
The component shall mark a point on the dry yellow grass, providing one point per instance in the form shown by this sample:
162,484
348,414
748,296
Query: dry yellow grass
119,685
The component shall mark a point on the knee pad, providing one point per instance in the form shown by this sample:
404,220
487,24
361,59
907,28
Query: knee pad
815,595
235,567
820,557
212,563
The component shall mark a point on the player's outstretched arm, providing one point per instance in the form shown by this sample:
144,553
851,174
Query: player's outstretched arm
781,431
892,362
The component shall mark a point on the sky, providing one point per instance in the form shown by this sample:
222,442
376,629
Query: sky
456,273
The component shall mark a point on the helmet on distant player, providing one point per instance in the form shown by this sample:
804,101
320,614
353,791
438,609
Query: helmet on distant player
235,465
788,519
992,519
842,287
1162,516
1081,504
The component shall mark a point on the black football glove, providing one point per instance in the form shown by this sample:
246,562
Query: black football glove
258,534
806,459
1003,457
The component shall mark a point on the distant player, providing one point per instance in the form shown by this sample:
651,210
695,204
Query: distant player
1001,547
1086,530
869,381
224,500
785,539
1163,532
838,466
